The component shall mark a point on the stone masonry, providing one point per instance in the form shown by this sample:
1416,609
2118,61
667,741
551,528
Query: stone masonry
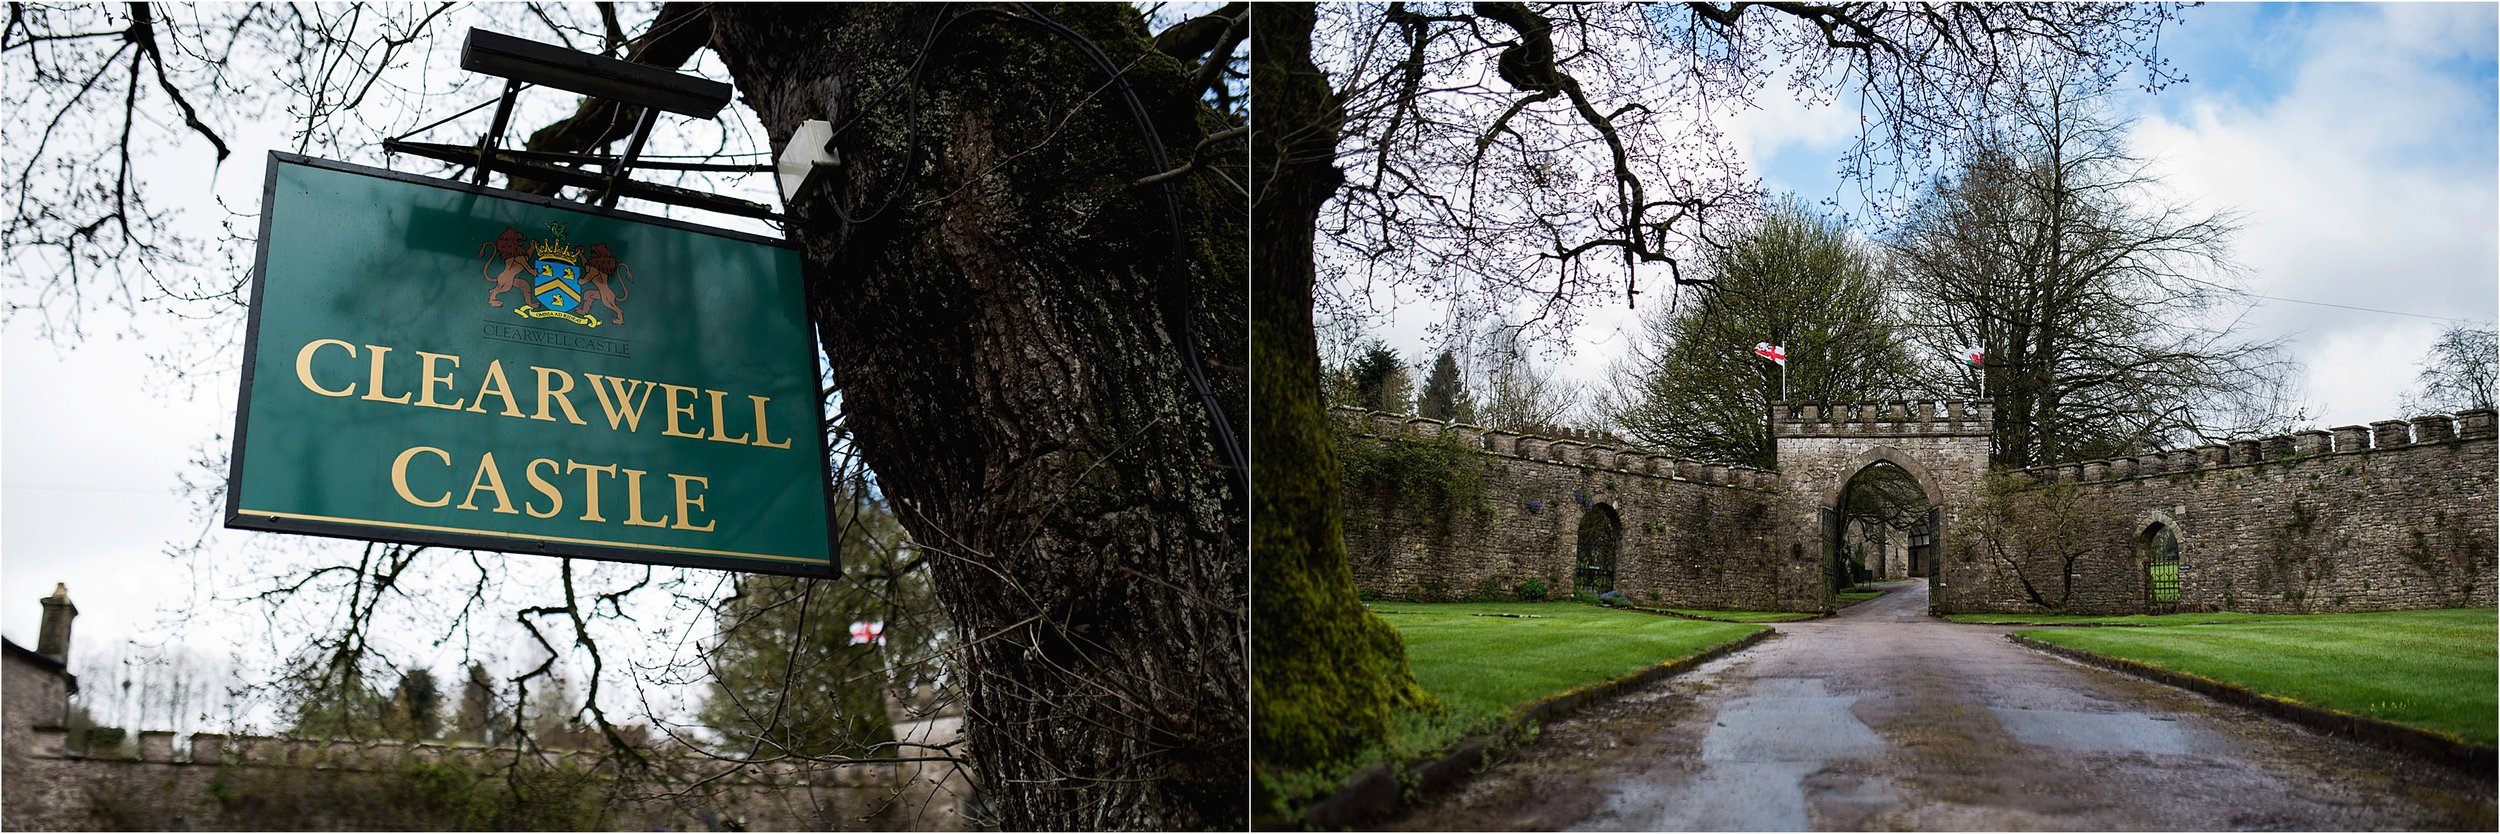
1693,534
2391,516
2394,515
1942,444
216,782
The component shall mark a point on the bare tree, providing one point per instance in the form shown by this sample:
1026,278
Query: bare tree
2037,535
2461,371
1028,276
1523,395
2056,254
1452,151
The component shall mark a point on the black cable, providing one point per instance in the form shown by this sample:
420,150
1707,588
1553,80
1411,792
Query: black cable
911,116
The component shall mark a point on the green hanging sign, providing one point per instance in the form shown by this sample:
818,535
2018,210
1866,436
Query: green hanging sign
443,364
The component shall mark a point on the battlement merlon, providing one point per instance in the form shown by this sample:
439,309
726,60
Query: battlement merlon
2384,435
1884,418
1568,448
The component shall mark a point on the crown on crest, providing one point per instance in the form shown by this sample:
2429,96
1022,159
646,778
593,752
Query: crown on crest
553,248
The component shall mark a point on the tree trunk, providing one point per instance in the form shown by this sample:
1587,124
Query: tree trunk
1003,322
1329,672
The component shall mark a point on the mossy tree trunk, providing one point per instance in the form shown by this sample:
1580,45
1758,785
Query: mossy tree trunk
1329,672
999,325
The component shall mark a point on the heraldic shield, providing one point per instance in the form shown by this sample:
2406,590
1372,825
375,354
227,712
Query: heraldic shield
562,281
559,285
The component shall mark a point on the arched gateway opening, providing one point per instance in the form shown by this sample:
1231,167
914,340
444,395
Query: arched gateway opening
1601,535
1876,487
1881,509
2159,544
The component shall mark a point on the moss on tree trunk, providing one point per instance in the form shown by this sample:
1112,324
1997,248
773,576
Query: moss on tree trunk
997,319
1329,673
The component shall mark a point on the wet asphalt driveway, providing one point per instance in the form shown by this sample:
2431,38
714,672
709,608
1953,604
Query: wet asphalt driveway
1884,718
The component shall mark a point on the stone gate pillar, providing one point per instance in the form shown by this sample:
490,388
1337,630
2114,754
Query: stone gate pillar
1942,444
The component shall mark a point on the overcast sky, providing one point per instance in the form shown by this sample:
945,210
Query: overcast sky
2358,141
97,436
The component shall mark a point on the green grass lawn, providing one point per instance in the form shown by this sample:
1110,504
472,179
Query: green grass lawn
1845,599
1746,616
2430,669
2121,619
1482,667
1489,665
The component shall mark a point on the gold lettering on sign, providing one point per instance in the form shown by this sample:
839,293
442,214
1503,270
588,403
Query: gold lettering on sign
490,479
688,502
373,387
428,380
544,488
399,476
762,437
633,501
720,411
626,408
496,386
556,394
590,487
303,367
675,410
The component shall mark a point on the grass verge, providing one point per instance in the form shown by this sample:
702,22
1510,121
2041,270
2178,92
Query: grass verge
2209,618
1487,660
1495,657
1745,616
2433,670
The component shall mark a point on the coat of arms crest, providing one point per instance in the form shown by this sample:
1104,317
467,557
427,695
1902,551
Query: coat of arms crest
562,281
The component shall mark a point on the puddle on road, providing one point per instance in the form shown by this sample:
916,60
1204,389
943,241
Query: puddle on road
1728,796
1789,720
1759,754
2095,732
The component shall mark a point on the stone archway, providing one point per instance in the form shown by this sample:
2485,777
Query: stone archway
2158,546
1942,446
1600,541
1882,488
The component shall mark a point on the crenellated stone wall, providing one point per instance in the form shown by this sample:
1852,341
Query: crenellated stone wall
2394,515
213,782
1694,534
219,782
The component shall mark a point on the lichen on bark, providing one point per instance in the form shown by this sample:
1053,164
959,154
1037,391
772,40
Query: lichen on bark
999,314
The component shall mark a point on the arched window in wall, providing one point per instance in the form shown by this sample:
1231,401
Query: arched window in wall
2161,566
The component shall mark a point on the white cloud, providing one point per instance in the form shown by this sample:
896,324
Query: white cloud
2367,183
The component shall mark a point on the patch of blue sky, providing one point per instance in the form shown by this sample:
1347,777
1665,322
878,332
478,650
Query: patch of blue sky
2244,59
2245,54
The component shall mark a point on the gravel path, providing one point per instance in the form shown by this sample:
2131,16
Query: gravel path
1884,718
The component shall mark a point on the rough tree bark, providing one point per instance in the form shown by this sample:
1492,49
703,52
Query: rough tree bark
995,311
1329,672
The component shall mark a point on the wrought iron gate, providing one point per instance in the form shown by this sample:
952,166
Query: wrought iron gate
2161,568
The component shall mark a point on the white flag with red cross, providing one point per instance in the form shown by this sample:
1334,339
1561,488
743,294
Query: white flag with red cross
1771,352
868,632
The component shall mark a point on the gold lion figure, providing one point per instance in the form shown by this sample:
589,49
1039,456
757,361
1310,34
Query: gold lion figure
598,263
514,251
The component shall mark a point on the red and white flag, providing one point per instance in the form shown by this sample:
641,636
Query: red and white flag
1970,356
868,632
1771,352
